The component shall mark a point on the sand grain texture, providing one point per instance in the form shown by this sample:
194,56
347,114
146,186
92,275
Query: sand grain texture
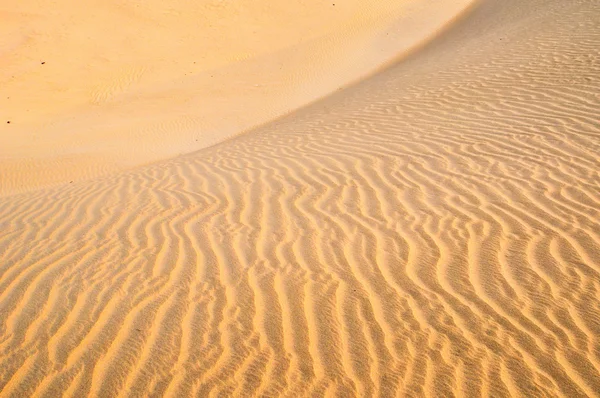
433,230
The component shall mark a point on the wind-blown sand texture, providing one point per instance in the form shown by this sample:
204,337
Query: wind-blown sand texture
432,230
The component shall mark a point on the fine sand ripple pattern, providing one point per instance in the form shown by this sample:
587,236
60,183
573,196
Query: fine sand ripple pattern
431,231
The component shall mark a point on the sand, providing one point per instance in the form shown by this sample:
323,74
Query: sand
385,200
91,89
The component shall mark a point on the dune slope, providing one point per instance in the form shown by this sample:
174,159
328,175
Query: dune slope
433,230
96,87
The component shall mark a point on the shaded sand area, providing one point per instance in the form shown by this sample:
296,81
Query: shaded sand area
433,230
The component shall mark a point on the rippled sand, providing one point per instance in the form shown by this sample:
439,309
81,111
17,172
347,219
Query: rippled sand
432,230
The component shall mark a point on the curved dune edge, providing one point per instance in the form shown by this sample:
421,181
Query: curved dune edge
432,231
125,111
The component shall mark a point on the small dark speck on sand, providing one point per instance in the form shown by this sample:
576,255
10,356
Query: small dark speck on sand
43,63
8,122
70,182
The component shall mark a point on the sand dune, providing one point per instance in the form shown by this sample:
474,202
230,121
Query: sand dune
169,78
431,231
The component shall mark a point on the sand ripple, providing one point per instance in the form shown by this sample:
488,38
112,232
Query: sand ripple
434,230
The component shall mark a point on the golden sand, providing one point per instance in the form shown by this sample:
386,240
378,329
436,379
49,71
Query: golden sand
117,84
430,229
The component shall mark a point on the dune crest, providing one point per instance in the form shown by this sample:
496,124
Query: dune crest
431,231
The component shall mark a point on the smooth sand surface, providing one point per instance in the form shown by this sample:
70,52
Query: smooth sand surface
93,88
432,230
